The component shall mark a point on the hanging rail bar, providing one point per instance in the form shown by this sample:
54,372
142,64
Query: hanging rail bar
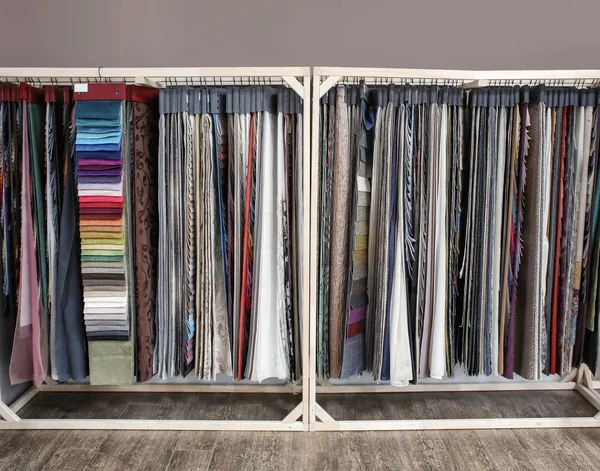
105,72
158,82
465,78
466,84
463,75
161,76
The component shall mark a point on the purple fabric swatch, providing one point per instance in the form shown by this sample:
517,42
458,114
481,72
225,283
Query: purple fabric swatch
357,314
99,179
101,173
100,210
99,163
104,155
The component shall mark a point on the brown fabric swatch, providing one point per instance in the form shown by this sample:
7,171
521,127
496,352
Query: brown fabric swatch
145,124
342,199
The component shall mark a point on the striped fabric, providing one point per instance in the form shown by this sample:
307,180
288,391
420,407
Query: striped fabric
99,139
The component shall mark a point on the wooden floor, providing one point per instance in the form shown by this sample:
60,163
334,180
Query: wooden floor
546,449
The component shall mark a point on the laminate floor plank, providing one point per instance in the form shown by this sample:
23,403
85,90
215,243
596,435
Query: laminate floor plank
508,405
117,451
233,450
85,440
502,448
271,451
212,406
30,450
198,440
310,451
545,439
177,406
134,410
310,442
447,405
110,405
386,450
188,460
339,406
426,449
92,405
319,460
467,450
368,407
155,449
6,436
556,404
55,398
588,440
40,411
554,459
413,406
351,452
278,406
69,460
148,398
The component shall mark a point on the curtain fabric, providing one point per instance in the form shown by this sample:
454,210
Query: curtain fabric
152,241
145,211
228,221
482,211
29,360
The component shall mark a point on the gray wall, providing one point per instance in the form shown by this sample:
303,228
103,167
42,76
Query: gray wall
466,34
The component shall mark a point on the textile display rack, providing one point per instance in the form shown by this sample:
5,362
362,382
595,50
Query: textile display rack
312,375
364,89
181,86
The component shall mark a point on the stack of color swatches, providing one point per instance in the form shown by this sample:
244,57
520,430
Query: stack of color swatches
98,150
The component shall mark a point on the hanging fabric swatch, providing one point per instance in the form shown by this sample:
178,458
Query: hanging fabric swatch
68,347
341,215
11,142
144,211
29,360
102,145
325,195
354,315
591,336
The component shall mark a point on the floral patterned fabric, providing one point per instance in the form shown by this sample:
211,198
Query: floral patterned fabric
145,192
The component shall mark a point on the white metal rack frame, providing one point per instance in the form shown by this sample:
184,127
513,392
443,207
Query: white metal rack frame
323,79
297,78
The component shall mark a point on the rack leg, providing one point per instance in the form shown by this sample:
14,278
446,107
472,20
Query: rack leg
323,415
8,414
24,399
323,382
585,387
586,376
592,396
294,415
570,376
